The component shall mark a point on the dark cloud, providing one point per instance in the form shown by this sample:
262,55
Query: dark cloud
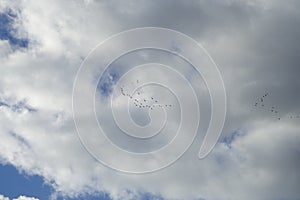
195,18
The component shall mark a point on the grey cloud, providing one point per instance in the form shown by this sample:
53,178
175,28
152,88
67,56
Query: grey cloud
254,43
195,18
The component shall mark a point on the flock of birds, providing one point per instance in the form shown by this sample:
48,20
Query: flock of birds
141,102
262,104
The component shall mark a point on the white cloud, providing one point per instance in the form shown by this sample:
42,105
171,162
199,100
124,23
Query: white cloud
25,198
3,198
261,164
19,198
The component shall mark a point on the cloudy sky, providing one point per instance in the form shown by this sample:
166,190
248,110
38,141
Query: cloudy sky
254,43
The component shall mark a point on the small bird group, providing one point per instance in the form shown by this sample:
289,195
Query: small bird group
261,100
262,104
140,102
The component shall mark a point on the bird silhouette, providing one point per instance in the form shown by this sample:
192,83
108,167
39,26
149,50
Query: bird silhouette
262,101
142,103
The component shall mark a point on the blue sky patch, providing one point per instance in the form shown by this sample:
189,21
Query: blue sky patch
22,105
18,106
107,82
229,139
7,31
13,184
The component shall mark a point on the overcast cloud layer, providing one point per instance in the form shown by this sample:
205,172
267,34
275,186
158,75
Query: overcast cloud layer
256,45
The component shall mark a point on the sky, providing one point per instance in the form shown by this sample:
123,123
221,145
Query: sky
51,150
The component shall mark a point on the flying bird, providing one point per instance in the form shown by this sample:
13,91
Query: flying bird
142,103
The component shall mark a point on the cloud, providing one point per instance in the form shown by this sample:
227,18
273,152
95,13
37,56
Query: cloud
9,21
25,198
253,42
19,198
3,198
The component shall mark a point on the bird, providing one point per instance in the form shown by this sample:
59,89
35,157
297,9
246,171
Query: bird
143,103
261,101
